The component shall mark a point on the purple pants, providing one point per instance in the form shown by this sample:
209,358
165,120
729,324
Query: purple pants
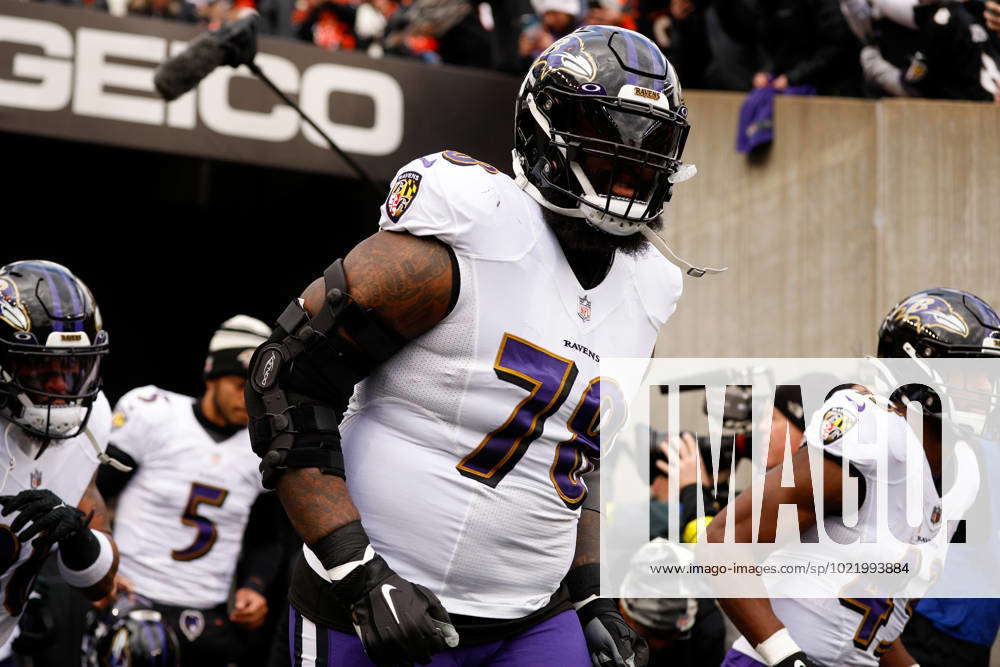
736,659
556,641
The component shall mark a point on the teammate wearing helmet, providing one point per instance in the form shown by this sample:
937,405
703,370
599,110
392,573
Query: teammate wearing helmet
475,321
186,502
130,633
852,632
54,425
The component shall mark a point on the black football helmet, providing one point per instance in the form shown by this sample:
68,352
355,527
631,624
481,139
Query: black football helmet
598,115
944,323
599,130
51,347
130,633
940,322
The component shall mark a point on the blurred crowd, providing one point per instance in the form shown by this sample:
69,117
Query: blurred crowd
867,48
864,48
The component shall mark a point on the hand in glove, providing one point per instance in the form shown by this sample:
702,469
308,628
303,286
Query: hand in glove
399,622
610,640
51,520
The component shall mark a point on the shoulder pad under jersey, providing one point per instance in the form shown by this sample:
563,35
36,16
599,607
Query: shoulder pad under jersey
466,203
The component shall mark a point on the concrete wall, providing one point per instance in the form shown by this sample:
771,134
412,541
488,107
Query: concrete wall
857,204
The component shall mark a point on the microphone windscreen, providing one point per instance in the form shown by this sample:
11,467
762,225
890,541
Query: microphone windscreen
179,74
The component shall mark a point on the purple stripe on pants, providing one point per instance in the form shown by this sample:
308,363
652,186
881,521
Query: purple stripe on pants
556,641
736,659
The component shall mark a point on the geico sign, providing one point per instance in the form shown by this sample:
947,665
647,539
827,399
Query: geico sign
57,81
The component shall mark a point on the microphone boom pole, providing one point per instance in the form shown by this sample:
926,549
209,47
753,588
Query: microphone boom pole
357,168
234,44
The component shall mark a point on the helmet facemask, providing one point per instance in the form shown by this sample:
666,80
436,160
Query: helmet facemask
615,161
50,389
599,130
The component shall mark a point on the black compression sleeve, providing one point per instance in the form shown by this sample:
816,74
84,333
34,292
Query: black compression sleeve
262,553
110,481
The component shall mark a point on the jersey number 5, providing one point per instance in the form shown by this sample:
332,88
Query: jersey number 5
207,533
548,379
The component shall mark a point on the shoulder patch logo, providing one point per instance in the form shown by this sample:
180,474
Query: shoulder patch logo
836,423
403,192
118,420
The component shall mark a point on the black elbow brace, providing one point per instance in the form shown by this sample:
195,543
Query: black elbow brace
301,379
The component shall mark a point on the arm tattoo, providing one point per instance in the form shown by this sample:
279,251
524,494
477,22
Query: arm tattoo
407,282
588,539
316,504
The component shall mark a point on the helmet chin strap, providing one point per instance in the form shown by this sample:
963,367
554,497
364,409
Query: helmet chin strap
103,457
655,239
694,271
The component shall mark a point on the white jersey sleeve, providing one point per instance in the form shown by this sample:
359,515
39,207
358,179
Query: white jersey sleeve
462,202
660,284
136,419
847,426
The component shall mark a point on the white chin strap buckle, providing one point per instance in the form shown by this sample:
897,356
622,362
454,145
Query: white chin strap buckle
661,245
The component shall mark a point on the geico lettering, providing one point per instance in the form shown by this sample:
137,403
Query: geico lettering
281,123
94,74
49,88
182,112
53,81
386,133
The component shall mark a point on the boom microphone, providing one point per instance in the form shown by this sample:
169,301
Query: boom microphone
233,44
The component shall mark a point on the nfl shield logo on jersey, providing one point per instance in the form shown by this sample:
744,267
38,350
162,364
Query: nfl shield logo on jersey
36,478
584,309
192,623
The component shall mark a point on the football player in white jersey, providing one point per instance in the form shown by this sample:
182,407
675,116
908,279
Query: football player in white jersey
54,424
443,517
184,506
854,632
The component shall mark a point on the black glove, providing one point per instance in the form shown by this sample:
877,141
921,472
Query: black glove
798,659
398,622
51,519
610,640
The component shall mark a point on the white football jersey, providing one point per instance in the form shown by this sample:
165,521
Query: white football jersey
65,468
464,450
851,631
180,520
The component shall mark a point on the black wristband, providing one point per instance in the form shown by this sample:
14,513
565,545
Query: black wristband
347,543
583,582
80,550
255,584
598,607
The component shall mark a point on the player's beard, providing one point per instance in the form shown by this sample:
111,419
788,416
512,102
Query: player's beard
580,236
220,410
